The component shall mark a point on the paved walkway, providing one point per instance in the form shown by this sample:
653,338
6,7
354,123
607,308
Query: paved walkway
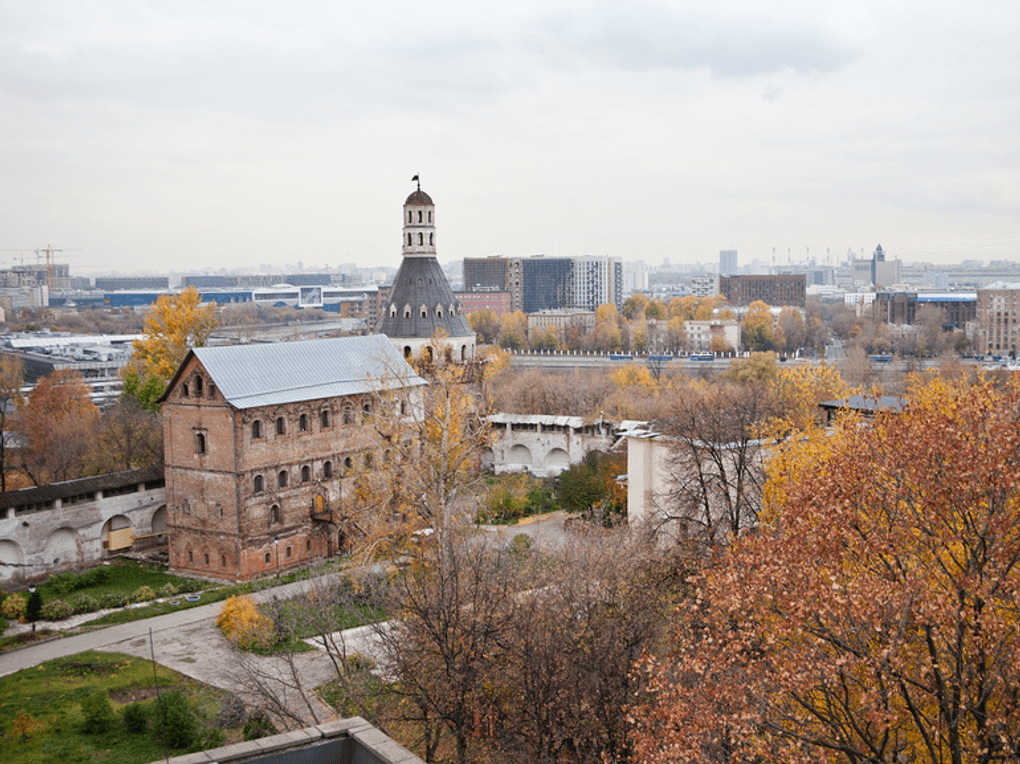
188,641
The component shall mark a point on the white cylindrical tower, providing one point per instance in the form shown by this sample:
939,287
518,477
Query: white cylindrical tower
419,226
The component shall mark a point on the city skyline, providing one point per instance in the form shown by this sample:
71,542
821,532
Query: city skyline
217,136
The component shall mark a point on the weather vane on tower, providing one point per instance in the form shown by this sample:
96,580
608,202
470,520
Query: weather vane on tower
415,178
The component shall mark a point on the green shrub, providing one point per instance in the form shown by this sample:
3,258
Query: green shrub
143,594
112,600
167,590
258,725
521,543
136,718
189,585
212,737
175,720
14,606
94,577
97,713
84,603
64,583
56,610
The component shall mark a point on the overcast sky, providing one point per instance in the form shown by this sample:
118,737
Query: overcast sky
202,134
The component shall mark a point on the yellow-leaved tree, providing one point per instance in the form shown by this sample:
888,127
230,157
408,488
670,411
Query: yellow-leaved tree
174,325
427,444
243,624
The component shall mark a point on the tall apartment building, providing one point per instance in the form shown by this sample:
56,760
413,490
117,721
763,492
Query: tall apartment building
727,262
501,274
548,283
774,290
998,318
595,280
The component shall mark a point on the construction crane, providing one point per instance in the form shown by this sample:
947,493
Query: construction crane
49,250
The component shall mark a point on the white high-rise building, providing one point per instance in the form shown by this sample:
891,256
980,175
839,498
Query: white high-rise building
727,262
595,280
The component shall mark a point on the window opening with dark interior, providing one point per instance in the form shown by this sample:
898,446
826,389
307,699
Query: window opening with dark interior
257,484
281,426
303,423
256,429
306,474
281,479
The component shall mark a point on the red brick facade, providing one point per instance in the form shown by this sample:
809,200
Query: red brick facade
254,491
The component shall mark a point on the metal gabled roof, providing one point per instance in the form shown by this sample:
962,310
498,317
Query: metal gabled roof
249,376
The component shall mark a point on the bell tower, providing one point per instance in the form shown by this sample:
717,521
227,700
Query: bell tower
421,308
419,225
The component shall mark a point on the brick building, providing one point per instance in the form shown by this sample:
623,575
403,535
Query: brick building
774,290
258,443
998,319
497,302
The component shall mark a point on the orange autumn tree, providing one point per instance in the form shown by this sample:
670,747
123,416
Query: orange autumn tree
875,614
55,427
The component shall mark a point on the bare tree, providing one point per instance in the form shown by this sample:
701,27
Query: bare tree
456,612
598,603
715,459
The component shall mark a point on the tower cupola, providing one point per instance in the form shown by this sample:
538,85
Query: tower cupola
419,225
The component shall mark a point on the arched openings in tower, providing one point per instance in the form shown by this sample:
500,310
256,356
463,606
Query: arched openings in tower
431,239
421,239
410,241
419,216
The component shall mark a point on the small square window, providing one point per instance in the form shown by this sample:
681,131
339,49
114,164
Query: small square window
289,551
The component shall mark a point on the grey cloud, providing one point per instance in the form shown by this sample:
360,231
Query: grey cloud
646,37
341,65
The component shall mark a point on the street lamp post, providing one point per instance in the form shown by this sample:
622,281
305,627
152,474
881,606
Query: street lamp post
34,605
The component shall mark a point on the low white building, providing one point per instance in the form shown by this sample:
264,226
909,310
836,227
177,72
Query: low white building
69,525
545,446
706,336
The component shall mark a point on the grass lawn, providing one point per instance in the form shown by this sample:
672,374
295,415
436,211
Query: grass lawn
41,712
123,578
